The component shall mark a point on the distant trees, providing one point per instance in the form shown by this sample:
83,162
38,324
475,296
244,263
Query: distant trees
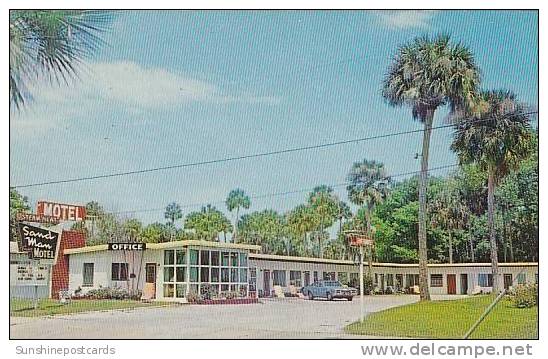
325,206
18,203
236,200
208,223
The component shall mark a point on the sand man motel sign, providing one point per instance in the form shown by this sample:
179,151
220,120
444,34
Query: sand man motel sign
41,243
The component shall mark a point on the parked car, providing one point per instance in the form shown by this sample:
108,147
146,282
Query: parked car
329,289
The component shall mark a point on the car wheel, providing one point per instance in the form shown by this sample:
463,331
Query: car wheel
310,296
349,299
329,296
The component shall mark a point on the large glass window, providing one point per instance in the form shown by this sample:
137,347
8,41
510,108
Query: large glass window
343,278
180,274
328,275
193,256
169,257
181,257
169,274
224,258
204,258
243,259
215,275
204,274
234,259
215,258
193,274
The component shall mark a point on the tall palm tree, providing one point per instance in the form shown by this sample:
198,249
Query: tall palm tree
325,204
51,44
367,187
427,74
237,199
496,136
302,220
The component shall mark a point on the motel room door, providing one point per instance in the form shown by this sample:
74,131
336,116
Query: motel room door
451,284
149,291
266,283
464,283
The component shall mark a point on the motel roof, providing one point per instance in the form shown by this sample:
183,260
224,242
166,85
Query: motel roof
254,249
169,245
274,257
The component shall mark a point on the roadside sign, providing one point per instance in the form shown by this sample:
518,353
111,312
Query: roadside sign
64,212
35,218
41,243
32,274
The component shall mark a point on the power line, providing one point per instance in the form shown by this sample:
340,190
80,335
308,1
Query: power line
280,194
243,157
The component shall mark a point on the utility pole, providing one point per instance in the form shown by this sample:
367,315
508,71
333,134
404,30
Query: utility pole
362,308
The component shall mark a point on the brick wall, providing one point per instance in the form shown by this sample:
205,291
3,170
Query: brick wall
60,271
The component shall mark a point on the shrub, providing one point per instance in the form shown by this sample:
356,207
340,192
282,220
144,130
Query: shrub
524,296
112,293
367,285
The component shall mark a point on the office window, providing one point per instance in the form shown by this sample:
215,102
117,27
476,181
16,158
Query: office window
224,258
193,256
295,278
88,275
485,280
204,274
204,257
119,271
215,258
328,275
181,257
169,257
279,277
233,259
169,274
215,275
180,274
390,280
436,280
193,274
315,276
521,278
243,259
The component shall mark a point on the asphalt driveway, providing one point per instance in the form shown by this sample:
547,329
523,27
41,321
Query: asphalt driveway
287,318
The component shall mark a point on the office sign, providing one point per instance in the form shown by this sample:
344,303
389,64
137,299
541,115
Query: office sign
64,212
40,243
127,246
35,218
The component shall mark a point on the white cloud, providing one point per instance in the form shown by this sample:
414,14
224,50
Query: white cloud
405,19
133,86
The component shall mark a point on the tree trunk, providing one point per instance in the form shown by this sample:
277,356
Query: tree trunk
235,236
369,234
450,247
423,250
471,240
491,225
320,241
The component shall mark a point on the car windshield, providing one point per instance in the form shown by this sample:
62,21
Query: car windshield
332,284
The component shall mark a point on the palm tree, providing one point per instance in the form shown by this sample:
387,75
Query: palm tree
173,212
367,187
302,220
425,75
51,44
449,212
343,213
237,199
496,137
325,204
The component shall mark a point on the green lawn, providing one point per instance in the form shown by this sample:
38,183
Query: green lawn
24,308
451,319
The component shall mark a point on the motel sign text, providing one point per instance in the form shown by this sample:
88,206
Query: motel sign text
64,212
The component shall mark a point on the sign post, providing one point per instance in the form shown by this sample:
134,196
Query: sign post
358,238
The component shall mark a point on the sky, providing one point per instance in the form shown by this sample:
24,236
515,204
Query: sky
175,87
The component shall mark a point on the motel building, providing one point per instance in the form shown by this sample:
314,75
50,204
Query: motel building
170,271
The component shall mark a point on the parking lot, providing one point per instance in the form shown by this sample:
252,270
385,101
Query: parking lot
271,319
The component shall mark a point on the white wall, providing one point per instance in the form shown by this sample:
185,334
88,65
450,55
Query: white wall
103,266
